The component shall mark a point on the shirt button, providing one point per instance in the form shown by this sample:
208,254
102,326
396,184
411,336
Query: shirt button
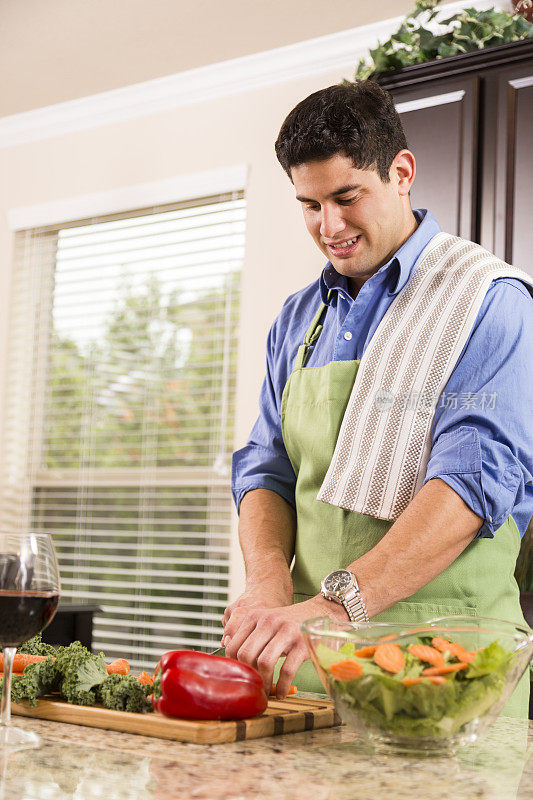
347,336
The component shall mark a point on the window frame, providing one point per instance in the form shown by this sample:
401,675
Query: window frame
74,211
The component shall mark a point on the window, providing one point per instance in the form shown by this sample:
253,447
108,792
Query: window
119,419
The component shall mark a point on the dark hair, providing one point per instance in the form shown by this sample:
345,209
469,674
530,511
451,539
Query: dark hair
357,119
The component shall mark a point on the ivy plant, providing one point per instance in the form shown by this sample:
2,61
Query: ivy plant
414,43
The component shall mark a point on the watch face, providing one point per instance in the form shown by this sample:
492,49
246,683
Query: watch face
338,581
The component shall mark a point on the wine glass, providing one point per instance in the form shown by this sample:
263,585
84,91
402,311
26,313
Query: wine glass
29,594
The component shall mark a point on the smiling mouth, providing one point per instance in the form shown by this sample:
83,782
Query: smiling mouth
344,248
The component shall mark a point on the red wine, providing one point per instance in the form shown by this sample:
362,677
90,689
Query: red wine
23,614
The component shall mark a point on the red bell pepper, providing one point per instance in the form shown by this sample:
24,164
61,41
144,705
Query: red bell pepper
197,685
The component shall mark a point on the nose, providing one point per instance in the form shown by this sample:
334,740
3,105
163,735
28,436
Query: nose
332,222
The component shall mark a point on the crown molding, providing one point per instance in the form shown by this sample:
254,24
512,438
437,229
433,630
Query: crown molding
337,51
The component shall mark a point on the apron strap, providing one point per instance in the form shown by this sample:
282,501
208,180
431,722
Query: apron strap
313,332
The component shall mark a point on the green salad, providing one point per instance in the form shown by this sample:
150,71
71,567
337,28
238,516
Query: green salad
417,689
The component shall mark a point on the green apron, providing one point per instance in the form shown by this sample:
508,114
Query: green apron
479,582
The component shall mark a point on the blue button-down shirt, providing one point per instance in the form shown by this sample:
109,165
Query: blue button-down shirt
482,432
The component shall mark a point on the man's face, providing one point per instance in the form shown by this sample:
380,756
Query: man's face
356,220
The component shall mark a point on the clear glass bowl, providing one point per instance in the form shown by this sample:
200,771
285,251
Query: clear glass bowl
425,717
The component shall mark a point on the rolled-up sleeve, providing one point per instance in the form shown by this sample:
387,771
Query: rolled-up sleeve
263,462
482,436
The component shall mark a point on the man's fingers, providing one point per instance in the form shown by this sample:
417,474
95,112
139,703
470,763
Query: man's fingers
255,643
231,609
238,615
294,660
280,644
234,626
234,637
227,615
241,604
259,637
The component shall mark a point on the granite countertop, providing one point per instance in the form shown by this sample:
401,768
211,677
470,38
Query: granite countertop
79,763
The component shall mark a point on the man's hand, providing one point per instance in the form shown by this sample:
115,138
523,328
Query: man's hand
259,636
260,595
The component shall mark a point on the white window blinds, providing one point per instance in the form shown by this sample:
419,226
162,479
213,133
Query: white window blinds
119,419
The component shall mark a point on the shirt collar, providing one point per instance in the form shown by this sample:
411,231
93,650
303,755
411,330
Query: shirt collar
399,267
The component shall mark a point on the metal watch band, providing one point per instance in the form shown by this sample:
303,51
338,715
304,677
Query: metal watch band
354,605
355,608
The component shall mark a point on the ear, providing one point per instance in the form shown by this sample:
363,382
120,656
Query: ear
403,171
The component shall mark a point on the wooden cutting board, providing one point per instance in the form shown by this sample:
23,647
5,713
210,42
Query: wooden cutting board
281,716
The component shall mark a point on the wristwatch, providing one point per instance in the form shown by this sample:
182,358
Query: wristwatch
341,587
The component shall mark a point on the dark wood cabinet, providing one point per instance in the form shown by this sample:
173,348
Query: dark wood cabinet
513,229
440,122
469,122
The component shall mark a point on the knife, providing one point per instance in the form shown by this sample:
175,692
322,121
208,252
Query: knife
220,651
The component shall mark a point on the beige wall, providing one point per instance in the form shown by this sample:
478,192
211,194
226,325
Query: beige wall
62,49
57,50
280,257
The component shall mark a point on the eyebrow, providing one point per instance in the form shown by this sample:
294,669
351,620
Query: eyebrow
348,188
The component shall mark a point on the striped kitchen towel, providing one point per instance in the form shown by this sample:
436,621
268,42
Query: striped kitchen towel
382,450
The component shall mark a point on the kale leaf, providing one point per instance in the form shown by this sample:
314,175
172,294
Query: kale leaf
124,693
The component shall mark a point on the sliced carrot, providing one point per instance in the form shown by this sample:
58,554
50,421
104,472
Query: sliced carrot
387,638
445,670
145,679
21,661
458,651
467,656
412,681
292,690
118,667
443,645
346,670
455,649
436,679
389,657
426,653
365,652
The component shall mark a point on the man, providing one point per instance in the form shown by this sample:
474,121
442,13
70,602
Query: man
394,439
